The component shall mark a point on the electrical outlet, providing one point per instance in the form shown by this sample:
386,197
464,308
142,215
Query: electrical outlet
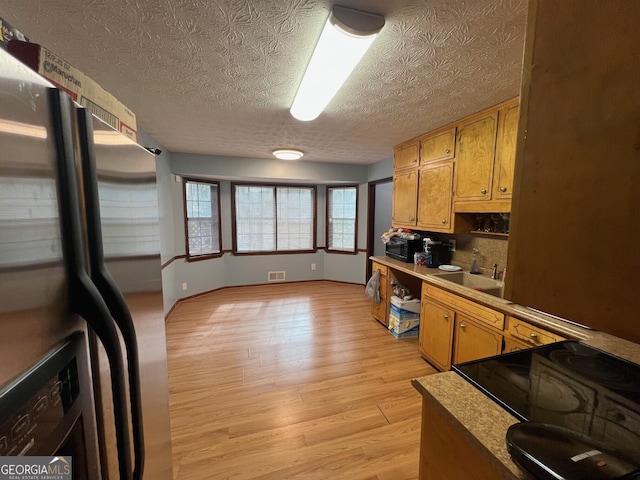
453,245
184,286
313,266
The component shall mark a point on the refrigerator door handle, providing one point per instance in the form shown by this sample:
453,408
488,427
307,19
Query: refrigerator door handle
84,298
107,286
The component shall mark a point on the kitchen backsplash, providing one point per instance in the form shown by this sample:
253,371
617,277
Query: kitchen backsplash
491,250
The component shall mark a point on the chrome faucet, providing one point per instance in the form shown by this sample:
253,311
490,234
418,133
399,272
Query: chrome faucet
494,272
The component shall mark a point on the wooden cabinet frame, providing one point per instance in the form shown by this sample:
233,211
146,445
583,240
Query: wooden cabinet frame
420,163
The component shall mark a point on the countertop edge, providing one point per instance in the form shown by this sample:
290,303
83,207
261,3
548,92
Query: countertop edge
473,416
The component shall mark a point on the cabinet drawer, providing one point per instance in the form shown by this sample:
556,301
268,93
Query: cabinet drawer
470,308
530,333
383,269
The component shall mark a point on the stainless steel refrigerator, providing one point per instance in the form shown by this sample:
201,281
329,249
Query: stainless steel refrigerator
83,369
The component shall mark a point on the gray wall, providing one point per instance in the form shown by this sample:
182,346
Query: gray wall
382,215
248,169
167,217
380,170
230,270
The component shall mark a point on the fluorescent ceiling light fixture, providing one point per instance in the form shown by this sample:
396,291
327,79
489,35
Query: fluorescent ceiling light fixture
346,37
288,154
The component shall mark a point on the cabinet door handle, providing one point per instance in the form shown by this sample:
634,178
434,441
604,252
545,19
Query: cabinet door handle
463,326
411,219
415,160
447,151
533,336
446,317
503,189
443,221
483,191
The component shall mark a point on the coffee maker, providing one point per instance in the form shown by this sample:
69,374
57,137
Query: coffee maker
438,253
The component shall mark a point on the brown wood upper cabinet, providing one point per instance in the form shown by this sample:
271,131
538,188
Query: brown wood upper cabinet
405,192
485,158
508,117
438,146
474,162
462,167
435,185
423,184
406,156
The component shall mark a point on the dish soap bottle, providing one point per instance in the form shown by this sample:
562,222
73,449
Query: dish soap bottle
474,262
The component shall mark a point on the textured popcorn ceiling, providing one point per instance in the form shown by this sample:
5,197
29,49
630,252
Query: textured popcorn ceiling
218,76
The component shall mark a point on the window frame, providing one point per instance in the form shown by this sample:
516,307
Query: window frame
327,220
275,186
204,256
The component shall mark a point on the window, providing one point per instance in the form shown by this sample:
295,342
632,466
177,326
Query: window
274,218
342,218
202,212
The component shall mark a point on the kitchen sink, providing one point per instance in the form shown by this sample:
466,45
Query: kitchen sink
475,282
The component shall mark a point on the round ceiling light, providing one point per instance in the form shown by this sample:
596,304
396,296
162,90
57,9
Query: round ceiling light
288,154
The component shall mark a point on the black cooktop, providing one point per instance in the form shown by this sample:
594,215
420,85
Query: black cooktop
568,384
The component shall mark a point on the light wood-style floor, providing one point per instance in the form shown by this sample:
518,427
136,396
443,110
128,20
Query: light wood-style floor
291,381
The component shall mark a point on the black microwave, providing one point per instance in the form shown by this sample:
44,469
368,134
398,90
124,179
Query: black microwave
403,248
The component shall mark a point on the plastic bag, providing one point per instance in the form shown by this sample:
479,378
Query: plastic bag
372,289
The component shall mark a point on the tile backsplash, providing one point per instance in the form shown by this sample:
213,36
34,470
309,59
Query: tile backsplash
491,250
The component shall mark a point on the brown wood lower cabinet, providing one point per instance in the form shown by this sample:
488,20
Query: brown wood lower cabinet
513,345
436,333
454,329
380,311
474,340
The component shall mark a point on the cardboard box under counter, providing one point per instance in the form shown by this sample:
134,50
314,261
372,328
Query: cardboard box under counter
412,305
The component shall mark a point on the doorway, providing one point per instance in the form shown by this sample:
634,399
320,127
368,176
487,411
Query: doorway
378,217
